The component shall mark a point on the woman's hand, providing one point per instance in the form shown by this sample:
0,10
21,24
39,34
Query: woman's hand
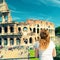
36,52
54,52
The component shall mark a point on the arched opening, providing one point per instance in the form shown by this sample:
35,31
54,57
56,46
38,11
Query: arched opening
18,41
6,18
37,38
19,29
37,30
34,30
25,41
0,41
11,29
0,30
5,41
11,41
30,40
5,29
37,25
25,29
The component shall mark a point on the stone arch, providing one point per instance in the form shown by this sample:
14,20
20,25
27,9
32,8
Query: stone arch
30,40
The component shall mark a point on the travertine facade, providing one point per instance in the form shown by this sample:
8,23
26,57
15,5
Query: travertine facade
21,34
13,33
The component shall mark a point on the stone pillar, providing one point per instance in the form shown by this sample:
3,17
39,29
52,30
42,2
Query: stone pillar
8,41
28,41
15,29
33,40
2,30
22,41
36,30
3,19
8,29
14,41
9,18
2,42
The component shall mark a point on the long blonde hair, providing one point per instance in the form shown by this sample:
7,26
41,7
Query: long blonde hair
44,39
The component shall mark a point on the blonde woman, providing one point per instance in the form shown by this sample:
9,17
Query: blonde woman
45,47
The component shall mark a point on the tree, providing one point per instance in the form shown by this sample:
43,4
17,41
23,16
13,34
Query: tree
57,30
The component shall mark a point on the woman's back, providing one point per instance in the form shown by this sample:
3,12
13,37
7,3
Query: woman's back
47,54
45,46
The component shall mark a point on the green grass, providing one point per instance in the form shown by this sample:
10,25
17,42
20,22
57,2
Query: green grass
32,54
34,59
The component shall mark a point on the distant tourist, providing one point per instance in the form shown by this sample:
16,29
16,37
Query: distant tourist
45,48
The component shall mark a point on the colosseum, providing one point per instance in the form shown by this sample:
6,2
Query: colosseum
14,34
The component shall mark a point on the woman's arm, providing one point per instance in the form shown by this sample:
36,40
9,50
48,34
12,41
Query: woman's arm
54,52
36,52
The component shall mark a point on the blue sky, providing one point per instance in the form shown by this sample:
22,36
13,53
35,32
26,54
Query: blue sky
48,10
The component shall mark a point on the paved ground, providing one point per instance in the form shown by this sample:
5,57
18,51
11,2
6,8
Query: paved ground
14,59
20,59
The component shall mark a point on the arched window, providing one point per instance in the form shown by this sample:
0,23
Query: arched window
34,30
11,29
5,41
37,30
25,29
30,40
37,25
25,41
38,38
48,26
19,29
0,41
11,41
35,38
0,30
5,29
18,41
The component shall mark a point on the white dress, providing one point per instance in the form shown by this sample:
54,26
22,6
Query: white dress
46,54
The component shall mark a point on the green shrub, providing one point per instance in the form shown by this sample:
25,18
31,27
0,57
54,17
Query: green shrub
58,52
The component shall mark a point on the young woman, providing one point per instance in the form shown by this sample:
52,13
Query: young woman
45,48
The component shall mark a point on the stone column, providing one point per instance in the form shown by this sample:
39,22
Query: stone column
8,41
8,29
2,41
22,42
9,18
2,30
3,19
15,29
33,40
14,41
28,41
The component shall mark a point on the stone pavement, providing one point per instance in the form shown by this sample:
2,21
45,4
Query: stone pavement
14,59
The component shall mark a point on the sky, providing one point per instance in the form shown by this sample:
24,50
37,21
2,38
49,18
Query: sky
48,10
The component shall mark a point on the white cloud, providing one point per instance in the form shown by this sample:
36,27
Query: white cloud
15,11
55,3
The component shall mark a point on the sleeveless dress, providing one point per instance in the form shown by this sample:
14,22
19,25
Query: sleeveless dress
46,54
